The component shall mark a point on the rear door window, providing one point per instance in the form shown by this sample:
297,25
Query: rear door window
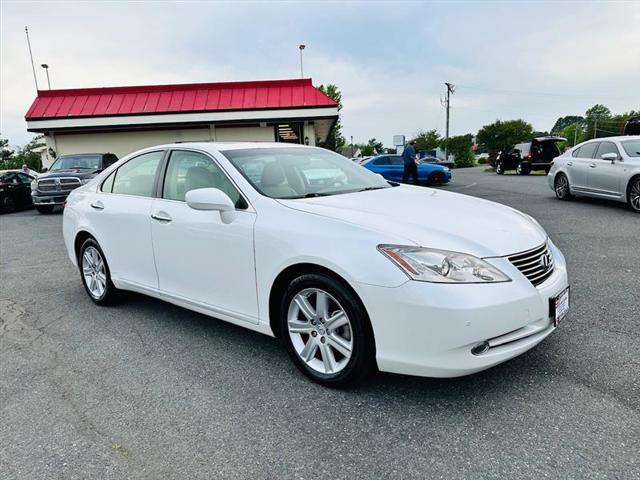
397,160
138,175
587,150
382,161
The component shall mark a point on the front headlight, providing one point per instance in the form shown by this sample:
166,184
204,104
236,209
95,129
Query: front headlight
34,185
441,266
84,181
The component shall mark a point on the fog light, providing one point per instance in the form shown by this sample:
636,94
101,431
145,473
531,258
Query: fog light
480,348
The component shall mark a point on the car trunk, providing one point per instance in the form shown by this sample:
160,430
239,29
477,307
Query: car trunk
544,150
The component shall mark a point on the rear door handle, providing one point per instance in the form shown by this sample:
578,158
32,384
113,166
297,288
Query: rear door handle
161,217
592,165
570,163
97,205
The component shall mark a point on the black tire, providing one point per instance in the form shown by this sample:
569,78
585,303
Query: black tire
561,187
44,209
362,359
436,178
633,194
110,293
522,169
7,204
499,168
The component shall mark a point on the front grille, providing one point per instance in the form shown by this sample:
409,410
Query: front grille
537,264
58,185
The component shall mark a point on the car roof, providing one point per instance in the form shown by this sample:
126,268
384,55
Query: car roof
550,137
222,146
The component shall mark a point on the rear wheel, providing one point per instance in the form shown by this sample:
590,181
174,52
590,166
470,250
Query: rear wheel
95,273
7,204
326,331
522,169
633,194
561,187
44,208
499,168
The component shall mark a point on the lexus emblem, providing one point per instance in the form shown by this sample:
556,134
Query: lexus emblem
545,261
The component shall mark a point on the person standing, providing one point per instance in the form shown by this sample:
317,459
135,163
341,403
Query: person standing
410,165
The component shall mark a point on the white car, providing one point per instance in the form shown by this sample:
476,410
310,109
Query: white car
601,168
351,272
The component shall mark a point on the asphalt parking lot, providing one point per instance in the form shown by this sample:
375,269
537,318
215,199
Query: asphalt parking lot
149,390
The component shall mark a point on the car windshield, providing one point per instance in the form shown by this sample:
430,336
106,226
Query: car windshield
632,147
300,172
85,162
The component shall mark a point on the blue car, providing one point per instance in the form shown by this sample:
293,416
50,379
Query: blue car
391,167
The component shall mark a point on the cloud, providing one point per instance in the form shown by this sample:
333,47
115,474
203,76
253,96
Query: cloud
535,61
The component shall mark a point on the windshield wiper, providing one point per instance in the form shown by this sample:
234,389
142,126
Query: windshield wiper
366,189
315,194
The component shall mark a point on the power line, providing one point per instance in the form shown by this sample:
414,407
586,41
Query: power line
550,94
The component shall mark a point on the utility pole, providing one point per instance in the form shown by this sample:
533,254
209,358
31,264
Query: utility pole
35,79
447,105
595,128
301,47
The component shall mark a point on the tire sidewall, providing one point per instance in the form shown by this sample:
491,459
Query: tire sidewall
362,359
499,169
631,184
109,292
8,205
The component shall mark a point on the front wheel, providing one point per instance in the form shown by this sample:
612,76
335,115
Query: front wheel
633,194
436,178
561,187
7,204
326,331
95,273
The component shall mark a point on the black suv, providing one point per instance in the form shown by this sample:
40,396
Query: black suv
67,173
537,154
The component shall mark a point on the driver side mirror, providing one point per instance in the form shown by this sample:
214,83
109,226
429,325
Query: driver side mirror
212,199
44,170
611,156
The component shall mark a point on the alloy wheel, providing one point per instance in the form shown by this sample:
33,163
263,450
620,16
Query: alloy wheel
634,195
519,168
499,168
562,187
94,272
320,331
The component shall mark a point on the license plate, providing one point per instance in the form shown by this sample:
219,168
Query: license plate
559,306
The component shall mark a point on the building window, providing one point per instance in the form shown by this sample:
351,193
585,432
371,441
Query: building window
289,132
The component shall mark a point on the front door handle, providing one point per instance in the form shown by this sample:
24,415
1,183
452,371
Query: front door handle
592,165
161,217
97,205
570,163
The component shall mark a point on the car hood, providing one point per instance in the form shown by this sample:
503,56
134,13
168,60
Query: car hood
432,218
71,172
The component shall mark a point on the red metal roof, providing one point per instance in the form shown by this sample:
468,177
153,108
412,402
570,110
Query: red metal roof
194,97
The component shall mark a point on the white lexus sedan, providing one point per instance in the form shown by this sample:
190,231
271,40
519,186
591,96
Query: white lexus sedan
350,271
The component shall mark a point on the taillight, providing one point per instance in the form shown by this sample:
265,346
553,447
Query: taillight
529,156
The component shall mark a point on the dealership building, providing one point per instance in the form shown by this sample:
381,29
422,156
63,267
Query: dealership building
122,120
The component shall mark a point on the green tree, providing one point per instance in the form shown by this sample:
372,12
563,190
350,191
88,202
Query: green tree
5,152
501,135
564,122
427,140
25,155
335,140
598,122
460,148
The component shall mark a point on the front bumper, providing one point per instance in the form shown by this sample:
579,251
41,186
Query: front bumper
56,199
429,329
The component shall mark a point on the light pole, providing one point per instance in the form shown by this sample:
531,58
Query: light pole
301,47
46,69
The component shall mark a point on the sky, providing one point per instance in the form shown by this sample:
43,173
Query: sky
531,60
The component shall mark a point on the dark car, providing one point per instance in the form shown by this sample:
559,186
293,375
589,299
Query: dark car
536,154
15,190
632,126
67,173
